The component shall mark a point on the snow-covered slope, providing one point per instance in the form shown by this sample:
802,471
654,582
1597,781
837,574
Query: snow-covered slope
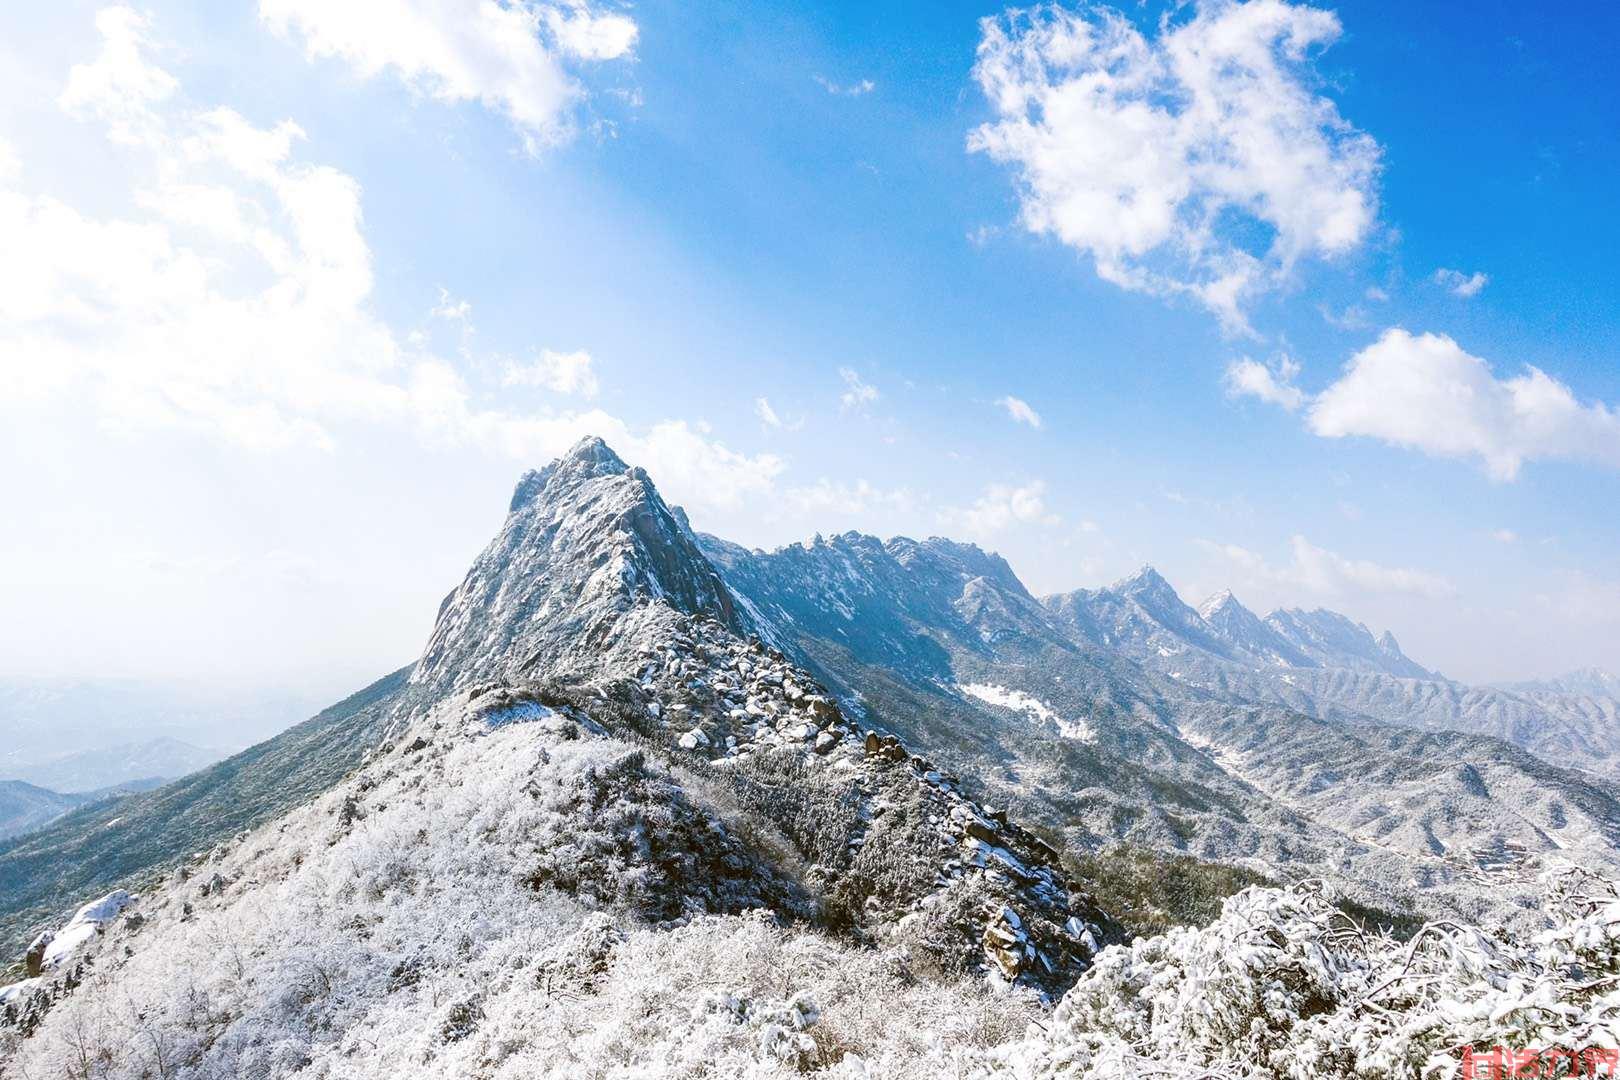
1332,640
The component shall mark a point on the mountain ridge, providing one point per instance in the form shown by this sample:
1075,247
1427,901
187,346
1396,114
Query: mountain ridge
892,743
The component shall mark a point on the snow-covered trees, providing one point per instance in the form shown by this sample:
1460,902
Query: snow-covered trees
1284,985
504,897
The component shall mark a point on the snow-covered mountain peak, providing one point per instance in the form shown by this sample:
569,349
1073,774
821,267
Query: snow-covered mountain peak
587,540
1217,604
1334,640
1144,579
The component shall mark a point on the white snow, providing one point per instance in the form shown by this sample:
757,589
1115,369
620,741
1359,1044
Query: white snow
84,924
1017,700
18,989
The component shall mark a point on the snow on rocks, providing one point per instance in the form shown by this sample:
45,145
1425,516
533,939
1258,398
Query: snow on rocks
85,924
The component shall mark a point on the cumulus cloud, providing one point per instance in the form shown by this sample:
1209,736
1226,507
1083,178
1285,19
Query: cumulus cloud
1424,392
508,55
1162,158
1273,385
858,393
231,298
1460,284
1327,573
1001,507
1019,410
562,373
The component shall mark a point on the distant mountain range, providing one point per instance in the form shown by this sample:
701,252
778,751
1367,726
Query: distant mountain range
105,767
24,807
83,734
1326,665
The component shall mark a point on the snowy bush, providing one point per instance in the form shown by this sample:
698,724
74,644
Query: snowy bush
1285,985
504,894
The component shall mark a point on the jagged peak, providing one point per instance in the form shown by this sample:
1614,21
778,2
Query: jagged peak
1217,603
588,458
593,453
1144,579
587,544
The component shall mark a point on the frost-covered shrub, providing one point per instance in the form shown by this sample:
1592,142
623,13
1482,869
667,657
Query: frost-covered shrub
941,940
409,936
1283,984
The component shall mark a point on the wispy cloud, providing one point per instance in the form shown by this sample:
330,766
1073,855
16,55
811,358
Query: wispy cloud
1272,384
1001,507
512,58
1327,573
854,89
858,393
563,373
1460,284
1020,411
451,309
826,496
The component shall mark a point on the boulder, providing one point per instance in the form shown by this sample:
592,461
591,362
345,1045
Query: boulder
34,958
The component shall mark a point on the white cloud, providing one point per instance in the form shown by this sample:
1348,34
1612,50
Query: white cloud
231,299
450,309
1019,410
857,392
10,167
827,496
766,414
562,373
583,33
1001,507
1328,573
1460,284
1425,392
505,54
1273,385
854,89
119,87
1505,536
1156,156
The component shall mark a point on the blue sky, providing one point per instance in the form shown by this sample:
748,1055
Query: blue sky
269,388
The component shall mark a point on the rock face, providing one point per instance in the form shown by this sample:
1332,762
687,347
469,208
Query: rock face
586,540
766,722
